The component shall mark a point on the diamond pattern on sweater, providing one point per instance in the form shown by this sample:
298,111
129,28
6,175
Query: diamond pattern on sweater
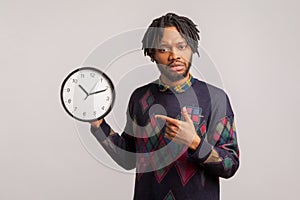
146,101
169,196
185,170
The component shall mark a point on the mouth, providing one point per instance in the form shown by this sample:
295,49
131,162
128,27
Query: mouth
176,66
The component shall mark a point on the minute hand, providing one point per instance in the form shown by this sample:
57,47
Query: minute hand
98,92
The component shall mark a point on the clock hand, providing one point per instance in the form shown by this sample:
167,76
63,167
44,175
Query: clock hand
87,94
98,91
93,87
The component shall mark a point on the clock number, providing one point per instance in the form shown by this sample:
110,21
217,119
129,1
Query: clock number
69,100
75,108
68,89
101,80
107,98
92,74
75,80
82,75
103,107
94,113
84,114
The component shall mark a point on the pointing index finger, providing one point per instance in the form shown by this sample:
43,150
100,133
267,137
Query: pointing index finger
168,119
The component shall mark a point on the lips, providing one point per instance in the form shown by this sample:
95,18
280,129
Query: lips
176,66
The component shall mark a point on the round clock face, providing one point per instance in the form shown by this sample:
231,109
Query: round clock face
87,94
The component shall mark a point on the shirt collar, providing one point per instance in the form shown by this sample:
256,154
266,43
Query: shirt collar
179,88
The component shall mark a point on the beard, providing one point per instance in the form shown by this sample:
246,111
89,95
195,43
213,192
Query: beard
172,75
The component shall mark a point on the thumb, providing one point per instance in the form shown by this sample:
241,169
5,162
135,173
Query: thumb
185,114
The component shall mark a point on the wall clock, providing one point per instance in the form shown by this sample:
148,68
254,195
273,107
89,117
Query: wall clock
87,94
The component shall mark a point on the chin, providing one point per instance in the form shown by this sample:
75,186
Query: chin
172,75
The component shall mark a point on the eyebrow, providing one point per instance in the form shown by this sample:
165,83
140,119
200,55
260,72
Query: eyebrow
166,43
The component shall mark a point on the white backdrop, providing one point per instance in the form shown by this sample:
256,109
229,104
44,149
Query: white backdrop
254,44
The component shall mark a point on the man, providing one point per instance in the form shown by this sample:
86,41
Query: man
180,134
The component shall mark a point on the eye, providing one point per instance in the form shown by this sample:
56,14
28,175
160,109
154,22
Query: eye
182,46
163,49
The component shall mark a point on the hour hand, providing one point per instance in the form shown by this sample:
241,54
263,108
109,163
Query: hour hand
87,94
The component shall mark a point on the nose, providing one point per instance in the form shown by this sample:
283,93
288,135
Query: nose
174,55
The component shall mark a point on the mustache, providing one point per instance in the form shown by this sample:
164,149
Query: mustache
175,63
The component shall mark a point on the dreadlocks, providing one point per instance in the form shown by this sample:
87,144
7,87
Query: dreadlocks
154,33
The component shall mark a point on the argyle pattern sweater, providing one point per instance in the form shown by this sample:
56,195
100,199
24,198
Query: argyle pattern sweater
166,170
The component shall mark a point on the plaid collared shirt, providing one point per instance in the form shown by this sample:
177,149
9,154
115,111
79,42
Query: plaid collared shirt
179,88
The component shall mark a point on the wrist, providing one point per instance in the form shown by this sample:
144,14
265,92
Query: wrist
96,124
195,143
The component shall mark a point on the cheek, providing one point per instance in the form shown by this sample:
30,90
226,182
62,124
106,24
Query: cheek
161,58
187,56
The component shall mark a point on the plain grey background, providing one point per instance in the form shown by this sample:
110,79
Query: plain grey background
254,44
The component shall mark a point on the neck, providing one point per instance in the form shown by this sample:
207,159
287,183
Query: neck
166,81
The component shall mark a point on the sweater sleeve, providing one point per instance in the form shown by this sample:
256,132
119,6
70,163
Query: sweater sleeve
120,147
218,151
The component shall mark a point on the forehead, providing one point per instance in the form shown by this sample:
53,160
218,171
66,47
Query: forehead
171,35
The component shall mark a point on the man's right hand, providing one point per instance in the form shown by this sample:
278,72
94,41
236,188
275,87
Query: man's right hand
97,123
